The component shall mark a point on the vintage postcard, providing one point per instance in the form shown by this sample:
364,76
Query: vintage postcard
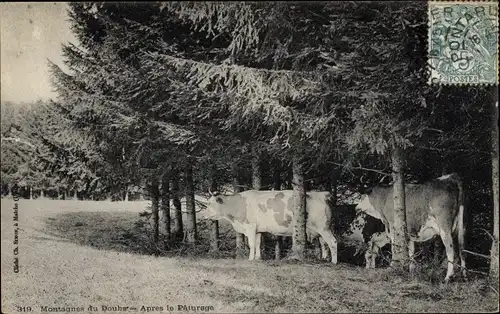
249,157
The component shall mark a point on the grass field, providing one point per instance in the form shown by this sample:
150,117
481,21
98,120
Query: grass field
83,253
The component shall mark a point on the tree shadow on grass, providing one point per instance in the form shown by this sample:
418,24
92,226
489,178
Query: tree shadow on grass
118,231
130,232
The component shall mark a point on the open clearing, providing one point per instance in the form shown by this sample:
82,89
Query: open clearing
64,267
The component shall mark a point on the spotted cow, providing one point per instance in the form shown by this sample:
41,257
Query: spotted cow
253,212
356,233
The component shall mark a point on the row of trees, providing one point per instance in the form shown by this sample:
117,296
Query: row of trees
44,154
333,92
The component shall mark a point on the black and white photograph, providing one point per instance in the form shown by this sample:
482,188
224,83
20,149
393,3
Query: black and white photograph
249,157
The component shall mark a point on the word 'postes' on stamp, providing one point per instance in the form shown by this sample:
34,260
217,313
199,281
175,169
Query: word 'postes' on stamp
463,42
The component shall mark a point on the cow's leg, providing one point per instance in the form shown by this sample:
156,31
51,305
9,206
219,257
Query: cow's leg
411,252
324,248
377,242
328,237
372,253
461,248
258,238
369,255
251,245
450,253
369,258
391,237
251,235
373,257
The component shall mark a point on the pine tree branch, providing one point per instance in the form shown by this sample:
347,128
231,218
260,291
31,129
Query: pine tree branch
477,254
360,168
17,140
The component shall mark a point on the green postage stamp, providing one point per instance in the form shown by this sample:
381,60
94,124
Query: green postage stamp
463,42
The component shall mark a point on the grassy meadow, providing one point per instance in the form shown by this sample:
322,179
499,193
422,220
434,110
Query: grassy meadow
85,253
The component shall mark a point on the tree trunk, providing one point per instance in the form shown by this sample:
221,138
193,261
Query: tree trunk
9,191
64,194
256,170
328,185
165,207
277,174
399,231
214,224
334,192
155,198
177,230
276,187
237,186
75,197
257,177
42,195
289,176
31,193
214,236
190,204
494,271
126,194
299,240
240,237
332,185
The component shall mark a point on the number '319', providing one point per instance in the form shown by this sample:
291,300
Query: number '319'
23,308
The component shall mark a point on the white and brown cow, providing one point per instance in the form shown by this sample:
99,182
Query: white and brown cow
253,212
433,208
356,232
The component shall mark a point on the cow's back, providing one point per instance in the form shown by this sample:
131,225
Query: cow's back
436,198
272,211
319,213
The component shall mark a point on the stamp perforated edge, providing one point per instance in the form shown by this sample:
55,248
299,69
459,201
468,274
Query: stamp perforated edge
429,81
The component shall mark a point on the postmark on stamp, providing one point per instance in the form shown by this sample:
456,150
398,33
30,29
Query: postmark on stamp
463,42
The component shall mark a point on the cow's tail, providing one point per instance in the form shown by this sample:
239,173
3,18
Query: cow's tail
461,225
460,220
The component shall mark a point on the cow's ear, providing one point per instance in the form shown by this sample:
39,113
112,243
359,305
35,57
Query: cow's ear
218,200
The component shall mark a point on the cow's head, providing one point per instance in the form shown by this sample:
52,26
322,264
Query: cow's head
214,206
366,206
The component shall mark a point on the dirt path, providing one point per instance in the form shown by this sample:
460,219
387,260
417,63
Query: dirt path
55,272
